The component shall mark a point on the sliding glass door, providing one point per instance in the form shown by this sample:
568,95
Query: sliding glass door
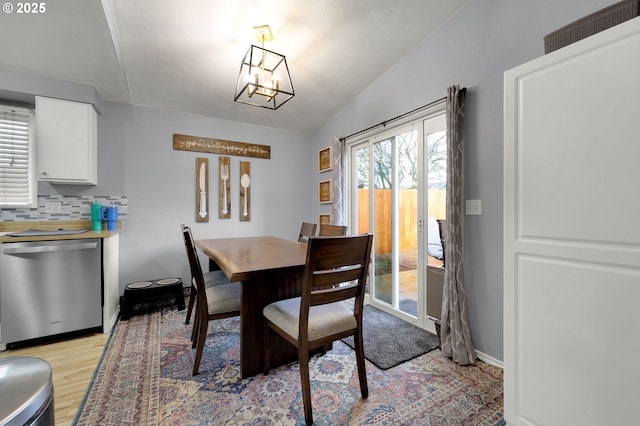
389,189
385,188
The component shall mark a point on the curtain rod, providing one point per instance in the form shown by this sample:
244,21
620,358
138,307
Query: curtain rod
384,123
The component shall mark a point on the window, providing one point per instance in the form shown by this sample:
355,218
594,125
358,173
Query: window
17,174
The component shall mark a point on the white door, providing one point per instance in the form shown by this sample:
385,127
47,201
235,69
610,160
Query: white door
572,234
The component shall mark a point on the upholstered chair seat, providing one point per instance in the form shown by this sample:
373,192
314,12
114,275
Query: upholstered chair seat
324,320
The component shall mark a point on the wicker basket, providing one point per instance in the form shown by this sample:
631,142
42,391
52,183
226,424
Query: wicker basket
592,24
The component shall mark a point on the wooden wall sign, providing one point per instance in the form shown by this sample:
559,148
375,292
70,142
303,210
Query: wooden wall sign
245,191
220,146
224,177
202,190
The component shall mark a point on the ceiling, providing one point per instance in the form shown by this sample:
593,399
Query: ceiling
185,55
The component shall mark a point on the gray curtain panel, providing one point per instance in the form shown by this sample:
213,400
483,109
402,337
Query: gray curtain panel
455,333
337,152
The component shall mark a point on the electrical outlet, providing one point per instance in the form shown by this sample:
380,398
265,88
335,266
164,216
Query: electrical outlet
473,207
52,207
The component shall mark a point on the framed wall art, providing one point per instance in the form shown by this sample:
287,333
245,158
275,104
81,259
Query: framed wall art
324,159
324,219
324,191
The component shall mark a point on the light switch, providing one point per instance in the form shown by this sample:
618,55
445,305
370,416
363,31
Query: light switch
473,207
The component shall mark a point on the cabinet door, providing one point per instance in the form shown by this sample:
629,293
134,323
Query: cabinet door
66,140
571,234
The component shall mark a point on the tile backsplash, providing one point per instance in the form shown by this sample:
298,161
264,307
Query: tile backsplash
73,207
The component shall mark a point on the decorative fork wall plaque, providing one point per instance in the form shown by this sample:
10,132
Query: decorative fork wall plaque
224,209
202,190
245,191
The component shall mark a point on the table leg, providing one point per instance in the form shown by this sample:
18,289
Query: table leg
256,294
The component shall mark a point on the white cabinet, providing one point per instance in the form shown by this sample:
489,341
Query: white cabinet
571,234
66,134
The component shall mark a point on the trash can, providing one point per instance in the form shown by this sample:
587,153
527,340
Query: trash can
27,392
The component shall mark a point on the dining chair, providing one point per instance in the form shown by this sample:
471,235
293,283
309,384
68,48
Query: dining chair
331,230
211,278
307,230
442,228
324,312
212,303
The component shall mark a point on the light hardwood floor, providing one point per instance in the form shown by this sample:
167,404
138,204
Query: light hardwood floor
73,362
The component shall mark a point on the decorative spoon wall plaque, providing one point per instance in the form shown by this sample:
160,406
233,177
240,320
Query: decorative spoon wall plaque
245,191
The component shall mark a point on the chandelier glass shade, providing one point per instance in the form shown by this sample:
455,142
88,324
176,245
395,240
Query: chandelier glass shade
264,79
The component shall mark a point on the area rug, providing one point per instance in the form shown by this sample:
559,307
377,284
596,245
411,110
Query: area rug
145,378
124,388
389,340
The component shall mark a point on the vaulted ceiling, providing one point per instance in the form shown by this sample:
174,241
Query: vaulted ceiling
185,55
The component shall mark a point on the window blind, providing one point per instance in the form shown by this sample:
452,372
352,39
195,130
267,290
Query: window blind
17,182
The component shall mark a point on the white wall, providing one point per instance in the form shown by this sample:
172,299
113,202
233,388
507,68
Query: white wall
472,49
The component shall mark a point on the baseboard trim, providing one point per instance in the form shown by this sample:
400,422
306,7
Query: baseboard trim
489,359
112,323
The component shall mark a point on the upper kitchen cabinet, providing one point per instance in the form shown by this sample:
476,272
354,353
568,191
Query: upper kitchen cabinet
67,146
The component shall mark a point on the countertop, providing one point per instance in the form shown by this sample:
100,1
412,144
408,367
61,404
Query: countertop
9,227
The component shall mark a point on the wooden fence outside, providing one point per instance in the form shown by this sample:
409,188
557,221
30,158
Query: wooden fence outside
408,216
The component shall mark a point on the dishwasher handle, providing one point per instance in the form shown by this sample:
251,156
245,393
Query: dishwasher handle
51,248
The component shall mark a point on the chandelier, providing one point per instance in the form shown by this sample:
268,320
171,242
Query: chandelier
264,78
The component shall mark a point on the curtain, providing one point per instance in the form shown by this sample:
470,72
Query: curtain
337,153
455,333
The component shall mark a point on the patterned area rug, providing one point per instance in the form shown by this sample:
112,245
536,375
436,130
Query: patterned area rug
145,379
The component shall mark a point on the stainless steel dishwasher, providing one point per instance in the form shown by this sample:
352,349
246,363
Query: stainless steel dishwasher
49,288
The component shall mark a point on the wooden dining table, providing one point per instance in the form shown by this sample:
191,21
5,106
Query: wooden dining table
269,269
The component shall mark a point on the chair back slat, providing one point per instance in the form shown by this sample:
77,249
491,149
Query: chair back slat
331,295
338,251
331,230
333,277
